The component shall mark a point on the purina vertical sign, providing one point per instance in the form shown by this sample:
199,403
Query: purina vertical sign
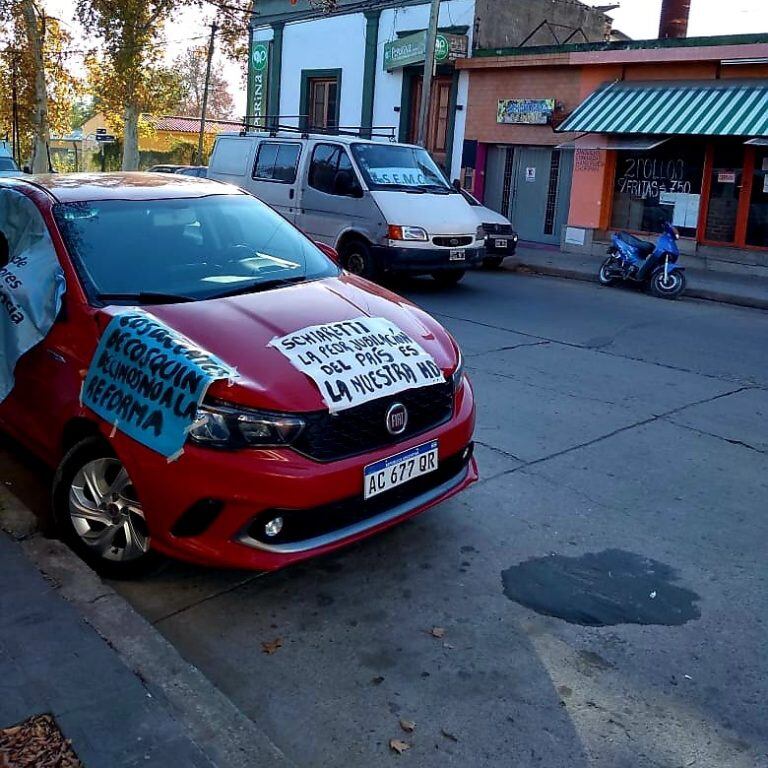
260,53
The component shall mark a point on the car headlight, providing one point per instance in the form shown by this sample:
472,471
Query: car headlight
230,427
397,232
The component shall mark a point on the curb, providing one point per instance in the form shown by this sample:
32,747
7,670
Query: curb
710,294
227,737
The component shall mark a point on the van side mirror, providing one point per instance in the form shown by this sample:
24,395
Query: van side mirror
456,184
5,252
345,184
330,252
26,169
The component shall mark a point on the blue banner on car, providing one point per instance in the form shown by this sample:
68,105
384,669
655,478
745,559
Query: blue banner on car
148,380
31,282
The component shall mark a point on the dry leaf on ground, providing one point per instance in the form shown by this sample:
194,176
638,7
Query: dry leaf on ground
438,632
272,646
399,746
407,725
36,743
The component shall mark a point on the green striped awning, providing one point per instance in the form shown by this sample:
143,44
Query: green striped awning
722,108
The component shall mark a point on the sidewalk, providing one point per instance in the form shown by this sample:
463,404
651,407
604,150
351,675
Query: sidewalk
71,647
53,662
702,283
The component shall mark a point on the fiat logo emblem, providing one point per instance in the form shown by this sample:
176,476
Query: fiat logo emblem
397,419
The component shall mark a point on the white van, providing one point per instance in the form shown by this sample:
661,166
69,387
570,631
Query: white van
385,207
8,165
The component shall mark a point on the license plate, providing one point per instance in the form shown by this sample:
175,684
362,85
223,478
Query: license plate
400,468
500,243
457,254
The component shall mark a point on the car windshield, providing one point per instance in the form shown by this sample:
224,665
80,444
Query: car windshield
398,167
7,164
152,251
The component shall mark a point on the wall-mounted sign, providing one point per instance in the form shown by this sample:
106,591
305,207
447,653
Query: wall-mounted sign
525,111
412,49
726,177
530,174
259,66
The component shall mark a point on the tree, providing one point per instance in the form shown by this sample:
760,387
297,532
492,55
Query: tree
190,67
33,65
232,21
129,79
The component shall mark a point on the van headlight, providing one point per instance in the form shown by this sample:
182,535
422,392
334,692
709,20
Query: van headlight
229,427
397,232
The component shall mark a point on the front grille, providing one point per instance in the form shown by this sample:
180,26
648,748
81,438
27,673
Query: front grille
330,437
302,524
453,241
498,229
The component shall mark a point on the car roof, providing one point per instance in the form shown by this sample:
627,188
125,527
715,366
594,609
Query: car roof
325,137
125,185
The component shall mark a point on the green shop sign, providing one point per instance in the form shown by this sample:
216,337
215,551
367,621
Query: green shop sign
259,73
412,50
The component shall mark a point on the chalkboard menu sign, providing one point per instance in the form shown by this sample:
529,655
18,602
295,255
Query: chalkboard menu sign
658,185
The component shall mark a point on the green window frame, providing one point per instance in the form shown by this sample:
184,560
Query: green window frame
307,76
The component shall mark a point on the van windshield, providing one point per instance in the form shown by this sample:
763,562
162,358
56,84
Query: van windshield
398,167
189,249
7,164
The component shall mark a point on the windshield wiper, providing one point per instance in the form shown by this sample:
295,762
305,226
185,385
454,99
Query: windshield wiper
402,188
438,189
257,287
146,297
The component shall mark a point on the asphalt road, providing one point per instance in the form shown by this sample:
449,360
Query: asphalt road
602,589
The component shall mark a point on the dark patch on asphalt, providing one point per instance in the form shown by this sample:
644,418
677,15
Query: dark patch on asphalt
601,589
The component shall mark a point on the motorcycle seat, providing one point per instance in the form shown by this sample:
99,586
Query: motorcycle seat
643,247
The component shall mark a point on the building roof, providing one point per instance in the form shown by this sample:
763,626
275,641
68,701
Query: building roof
181,124
618,46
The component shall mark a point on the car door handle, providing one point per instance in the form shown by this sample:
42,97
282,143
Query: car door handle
57,356
291,193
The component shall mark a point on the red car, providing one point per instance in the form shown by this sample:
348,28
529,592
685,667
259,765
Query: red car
273,469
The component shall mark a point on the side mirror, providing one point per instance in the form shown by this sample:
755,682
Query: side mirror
345,183
456,185
26,169
330,252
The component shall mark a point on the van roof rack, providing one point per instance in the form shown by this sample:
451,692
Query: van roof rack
272,125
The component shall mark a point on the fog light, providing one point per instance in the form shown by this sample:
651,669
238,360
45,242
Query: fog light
274,526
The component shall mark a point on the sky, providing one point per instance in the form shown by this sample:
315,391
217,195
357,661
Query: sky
637,18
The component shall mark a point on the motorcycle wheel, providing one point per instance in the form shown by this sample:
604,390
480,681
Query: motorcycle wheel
670,287
604,276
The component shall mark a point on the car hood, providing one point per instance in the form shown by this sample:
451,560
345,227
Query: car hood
238,330
488,216
438,214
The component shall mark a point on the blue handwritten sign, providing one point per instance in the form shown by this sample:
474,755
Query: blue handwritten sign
148,380
32,283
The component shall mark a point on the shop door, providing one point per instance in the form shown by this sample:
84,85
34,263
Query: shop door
541,193
757,219
725,190
437,119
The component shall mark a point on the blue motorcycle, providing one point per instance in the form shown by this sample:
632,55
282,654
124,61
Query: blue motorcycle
639,261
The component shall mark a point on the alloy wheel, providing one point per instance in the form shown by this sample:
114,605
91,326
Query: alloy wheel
106,513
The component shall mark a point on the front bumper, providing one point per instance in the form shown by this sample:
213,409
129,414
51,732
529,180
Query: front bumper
248,484
425,260
492,247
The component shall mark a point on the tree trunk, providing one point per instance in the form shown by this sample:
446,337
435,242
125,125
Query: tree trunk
40,119
131,138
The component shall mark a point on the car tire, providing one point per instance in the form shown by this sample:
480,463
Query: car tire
449,276
604,276
493,262
98,514
356,257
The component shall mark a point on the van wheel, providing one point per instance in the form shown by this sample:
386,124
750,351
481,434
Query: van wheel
98,512
449,276
357,258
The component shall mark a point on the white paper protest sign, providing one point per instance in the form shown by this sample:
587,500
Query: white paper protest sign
355,361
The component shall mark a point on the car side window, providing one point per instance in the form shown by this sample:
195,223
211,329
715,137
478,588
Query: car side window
331,171
276,162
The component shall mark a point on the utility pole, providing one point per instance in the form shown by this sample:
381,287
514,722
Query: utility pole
429,66
205,95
